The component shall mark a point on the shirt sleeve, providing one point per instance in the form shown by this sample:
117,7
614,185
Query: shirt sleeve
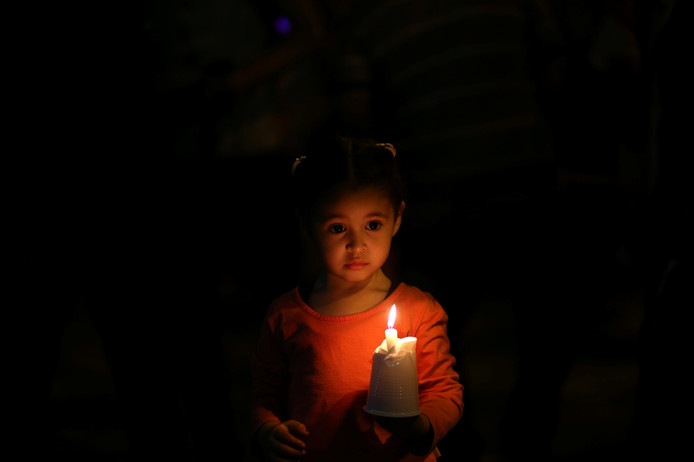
269,369
440,391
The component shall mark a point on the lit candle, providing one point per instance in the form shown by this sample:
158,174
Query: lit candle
391,334
393,389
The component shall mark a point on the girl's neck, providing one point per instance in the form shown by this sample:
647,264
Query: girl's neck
333,297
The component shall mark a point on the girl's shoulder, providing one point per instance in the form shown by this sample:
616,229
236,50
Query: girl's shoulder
415,299
420,310
287,301
413,293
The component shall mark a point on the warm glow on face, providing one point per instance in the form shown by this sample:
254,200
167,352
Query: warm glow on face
354,233
391,317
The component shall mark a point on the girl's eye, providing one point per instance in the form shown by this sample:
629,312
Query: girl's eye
337,228
373,225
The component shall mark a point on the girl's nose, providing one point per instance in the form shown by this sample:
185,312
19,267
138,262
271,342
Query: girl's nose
356,244
356,248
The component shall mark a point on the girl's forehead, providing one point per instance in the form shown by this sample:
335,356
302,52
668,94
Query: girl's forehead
360,201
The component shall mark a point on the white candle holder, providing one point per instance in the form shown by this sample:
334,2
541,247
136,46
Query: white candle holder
394,390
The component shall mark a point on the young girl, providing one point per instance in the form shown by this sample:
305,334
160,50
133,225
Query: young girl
312,367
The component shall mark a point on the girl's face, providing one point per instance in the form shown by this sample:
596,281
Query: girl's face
354,233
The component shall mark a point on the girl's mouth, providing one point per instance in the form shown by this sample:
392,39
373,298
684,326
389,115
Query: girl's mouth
355,265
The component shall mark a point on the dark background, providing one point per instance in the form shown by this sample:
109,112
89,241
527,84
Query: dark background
545,153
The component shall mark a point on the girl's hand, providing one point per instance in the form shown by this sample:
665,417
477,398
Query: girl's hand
416,431
282,442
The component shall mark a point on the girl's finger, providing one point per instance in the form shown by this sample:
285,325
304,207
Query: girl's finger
283,436
296,428
282,451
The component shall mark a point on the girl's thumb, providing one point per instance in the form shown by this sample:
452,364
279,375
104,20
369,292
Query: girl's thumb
296,427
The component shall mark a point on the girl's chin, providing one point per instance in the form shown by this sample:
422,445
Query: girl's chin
352,277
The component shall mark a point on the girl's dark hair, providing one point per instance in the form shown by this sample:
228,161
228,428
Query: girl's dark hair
337,165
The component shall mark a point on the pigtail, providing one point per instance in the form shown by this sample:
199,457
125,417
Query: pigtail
389,147
297,161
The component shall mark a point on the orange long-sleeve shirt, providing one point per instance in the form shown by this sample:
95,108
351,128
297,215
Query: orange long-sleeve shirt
316,369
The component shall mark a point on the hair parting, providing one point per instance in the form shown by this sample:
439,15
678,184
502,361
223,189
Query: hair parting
337,165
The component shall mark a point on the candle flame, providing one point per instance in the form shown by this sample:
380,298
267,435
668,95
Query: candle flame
391,317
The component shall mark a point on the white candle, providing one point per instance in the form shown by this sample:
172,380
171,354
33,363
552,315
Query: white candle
391,334
393,389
